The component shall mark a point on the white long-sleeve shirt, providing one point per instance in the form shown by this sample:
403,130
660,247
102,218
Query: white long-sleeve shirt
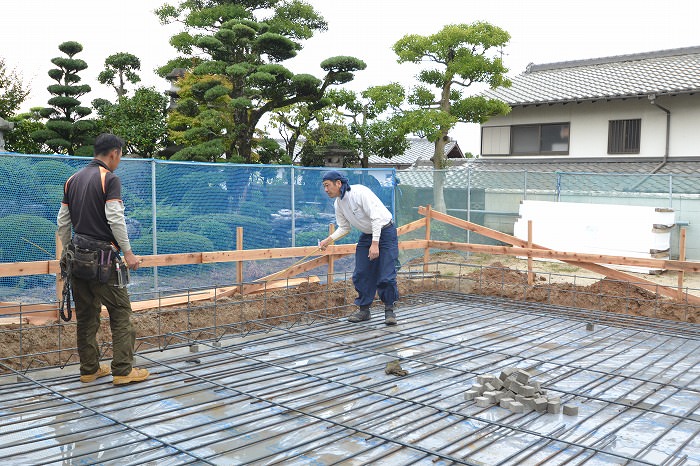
362,209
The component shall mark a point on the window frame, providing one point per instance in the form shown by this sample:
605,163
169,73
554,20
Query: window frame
619,136
539,152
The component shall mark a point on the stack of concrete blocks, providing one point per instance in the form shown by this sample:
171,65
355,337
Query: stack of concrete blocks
515,390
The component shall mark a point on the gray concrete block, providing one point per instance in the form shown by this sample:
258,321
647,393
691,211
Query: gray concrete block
516,407
488,387
491,396
570,410
523,376
528,390
553,407
590,327
505,402
470,395
482,402
500,395
540,405
497,383
478,387
483,378
517,387
519,398
505,373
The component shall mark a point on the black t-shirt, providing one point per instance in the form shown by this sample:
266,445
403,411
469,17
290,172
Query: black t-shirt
86,193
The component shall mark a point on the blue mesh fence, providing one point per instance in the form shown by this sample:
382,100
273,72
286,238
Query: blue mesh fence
179,207
175,207
492,198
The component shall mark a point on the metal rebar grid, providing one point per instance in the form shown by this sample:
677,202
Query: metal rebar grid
317,393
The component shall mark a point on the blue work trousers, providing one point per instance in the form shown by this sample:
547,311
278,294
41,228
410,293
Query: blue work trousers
378,275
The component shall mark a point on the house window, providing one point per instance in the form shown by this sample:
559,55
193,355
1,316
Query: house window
495,140
624,136
543,139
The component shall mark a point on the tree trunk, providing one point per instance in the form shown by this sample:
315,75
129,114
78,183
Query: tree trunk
439,164
439,176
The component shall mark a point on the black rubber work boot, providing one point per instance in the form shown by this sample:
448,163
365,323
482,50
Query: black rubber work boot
361,315
389,316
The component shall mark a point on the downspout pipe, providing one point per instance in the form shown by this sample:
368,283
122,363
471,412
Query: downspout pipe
652,99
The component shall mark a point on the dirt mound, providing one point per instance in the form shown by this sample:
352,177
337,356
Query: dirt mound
603,295
51,345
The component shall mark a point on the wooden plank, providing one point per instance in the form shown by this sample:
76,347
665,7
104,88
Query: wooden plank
409,227
14,269
458,222
239,246
288,272
6,321
171,259
570,256
257,254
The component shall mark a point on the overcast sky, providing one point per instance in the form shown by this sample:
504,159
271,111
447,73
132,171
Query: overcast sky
541,32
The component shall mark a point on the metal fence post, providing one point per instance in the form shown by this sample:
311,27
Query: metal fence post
293,210
469,203
154,225
558,187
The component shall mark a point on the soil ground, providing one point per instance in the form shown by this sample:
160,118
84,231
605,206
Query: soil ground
555,284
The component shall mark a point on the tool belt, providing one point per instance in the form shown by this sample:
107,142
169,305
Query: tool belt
91,259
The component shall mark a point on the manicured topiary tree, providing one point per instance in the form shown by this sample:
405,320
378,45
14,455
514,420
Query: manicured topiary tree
67,131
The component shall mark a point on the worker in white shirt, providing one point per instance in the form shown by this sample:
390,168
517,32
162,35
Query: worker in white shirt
377,252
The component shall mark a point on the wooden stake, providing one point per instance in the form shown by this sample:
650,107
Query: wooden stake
239,247
426,252
59,280
681,257
331,260
530,275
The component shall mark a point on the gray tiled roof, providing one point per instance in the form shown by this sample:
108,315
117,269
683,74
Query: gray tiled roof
678,176
419,150
663,72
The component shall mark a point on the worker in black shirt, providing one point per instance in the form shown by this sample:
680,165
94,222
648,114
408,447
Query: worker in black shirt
92,205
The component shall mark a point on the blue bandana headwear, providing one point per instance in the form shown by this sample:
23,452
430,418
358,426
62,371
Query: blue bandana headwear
337,176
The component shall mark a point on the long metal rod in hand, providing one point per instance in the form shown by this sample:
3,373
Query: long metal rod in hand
315,251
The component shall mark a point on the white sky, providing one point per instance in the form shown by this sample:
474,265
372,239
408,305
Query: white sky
541,32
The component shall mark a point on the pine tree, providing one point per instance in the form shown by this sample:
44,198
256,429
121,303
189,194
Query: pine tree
67,131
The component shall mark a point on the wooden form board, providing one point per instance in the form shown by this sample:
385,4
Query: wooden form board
608,229
589,262
283,278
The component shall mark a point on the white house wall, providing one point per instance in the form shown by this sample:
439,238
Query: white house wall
589,125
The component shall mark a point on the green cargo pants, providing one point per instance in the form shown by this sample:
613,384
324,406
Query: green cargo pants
88,297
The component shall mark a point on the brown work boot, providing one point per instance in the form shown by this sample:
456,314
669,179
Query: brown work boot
361,315
136,375
101,372
389,316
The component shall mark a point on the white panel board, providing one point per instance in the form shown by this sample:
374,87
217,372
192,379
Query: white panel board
617,230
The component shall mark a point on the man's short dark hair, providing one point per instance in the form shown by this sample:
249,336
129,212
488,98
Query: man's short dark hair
106,142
